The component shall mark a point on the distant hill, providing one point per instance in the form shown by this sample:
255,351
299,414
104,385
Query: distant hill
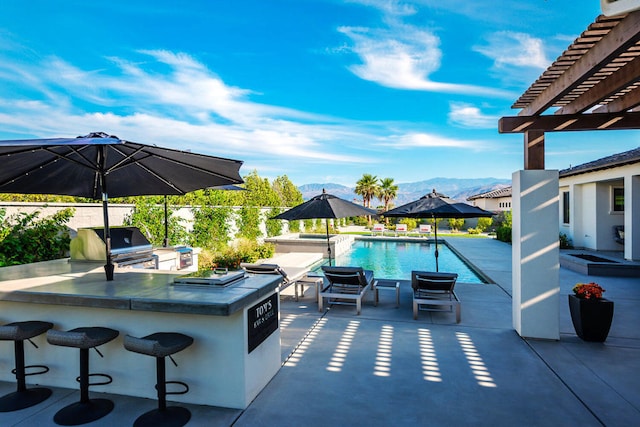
458,189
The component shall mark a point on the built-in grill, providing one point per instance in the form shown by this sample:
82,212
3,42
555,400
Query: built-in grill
129,247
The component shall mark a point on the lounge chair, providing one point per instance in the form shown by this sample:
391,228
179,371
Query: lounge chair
618,234
401,228
378,228
425,229
434,291
297,277
346,285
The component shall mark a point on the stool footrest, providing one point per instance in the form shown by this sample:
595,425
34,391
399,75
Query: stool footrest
108,380
184,391
43,370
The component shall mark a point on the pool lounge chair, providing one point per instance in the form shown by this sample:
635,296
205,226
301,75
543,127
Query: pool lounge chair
425,229
346,285
401,229
297,277
378,228
434,292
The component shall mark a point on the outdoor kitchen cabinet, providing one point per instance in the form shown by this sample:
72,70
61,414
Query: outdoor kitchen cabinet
236,333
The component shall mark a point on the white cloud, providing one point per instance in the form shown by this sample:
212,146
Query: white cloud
188,107
402,56
426,140
469,115
508,48
389,7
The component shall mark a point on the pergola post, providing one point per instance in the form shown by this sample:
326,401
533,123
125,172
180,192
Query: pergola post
535,254
534,149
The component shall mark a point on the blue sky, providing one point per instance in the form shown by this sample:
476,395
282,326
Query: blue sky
320,90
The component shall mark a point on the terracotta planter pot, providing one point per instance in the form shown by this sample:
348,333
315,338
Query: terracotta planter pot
591,317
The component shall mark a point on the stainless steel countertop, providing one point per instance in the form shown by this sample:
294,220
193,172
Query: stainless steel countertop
143,290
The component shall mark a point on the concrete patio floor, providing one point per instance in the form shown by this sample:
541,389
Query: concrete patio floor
383,368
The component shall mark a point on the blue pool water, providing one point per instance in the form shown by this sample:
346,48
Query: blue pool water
396,259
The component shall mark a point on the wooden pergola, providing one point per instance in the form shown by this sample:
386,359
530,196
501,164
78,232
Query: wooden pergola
593,85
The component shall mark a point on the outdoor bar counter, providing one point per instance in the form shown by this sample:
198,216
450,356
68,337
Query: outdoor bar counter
231,360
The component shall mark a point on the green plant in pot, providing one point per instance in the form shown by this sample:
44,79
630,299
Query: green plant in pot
591,314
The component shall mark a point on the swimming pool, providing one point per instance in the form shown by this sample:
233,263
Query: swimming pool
391,259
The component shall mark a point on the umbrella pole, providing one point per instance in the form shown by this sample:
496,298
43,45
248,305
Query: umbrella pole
435,222
108,267
166,223
326,221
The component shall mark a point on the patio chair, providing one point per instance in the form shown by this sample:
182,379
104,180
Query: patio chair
297,277
618,234
425,229
378,228
401,228
347,285
434,292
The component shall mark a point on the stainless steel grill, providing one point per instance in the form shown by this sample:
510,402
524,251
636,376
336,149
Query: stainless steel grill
129,247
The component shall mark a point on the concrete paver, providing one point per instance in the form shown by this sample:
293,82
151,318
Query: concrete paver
383,368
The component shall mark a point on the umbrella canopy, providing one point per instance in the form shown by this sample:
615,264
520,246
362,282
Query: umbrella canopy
435,205
325,206
98,165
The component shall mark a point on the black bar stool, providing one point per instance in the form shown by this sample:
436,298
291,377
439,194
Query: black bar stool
160,345
24,398
86,410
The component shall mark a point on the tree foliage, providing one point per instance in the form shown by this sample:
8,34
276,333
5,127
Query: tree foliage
455,224
368,188
25,238
149,216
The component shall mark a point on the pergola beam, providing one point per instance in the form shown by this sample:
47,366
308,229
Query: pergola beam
630,100
618,40
570,122
625,76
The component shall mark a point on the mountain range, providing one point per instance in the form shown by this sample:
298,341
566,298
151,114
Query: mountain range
457,189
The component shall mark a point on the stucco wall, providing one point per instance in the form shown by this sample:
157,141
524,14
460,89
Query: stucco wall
90,214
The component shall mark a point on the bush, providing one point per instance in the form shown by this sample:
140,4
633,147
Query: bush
565,242
231,257
503,219
360,220
274,226
294,226
474,230
503,234
148,215
412,223
210,227
455,224
484,223
25,239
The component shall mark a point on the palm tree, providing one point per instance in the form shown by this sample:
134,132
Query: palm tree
388,192
368,188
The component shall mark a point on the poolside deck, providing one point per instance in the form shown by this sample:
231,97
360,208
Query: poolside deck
383,368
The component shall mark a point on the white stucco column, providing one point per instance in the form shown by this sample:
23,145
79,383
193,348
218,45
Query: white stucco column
631,211
535,254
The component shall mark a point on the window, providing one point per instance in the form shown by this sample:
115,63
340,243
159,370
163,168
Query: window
565,207
618,200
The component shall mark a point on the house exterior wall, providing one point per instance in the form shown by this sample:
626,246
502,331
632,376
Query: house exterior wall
592,217
498,204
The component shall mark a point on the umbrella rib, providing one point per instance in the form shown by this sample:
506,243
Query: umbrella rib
48,162
129,160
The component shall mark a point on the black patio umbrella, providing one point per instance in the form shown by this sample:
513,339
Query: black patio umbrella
325,206
435,205
99,166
